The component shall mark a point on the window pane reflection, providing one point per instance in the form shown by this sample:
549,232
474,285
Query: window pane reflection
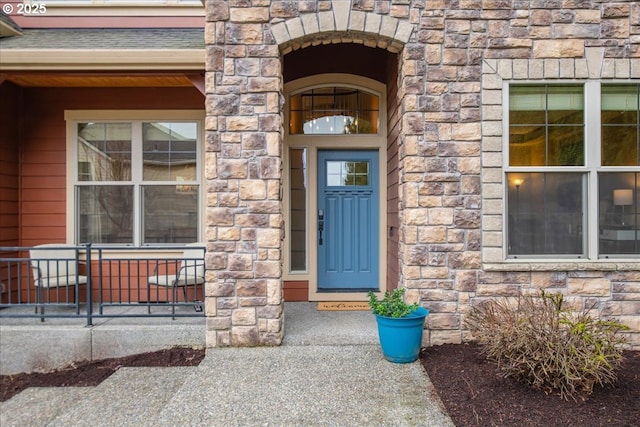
619,213
104,151
298,213
341,174
334,110
105,214
545,213
620,125
169,151
546,126
170,214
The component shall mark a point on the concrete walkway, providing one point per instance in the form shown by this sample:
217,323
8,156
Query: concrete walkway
329,372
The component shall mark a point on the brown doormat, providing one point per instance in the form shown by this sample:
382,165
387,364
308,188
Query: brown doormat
343,306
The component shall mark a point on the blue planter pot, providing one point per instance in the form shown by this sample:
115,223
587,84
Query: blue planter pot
401,338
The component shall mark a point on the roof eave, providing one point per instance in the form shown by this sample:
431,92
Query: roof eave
8,27
102,60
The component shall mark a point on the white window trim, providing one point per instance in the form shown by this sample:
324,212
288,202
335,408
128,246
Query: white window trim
72,117
592,117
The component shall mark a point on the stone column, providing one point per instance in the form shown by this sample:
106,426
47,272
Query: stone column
243,162
439,166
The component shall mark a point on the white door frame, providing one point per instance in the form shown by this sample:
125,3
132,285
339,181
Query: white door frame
335,142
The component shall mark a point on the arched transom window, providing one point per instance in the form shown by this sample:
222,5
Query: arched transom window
334,111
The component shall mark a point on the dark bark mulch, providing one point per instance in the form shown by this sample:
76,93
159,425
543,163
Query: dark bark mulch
475,394
92,373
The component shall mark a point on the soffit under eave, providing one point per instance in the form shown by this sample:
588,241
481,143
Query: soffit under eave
69,79
101,60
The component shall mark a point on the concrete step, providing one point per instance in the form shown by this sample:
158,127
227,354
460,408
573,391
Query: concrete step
38,406
131,396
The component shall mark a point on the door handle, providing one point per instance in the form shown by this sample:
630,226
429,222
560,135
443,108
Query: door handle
320,225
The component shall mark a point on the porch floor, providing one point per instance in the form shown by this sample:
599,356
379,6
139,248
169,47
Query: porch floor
305,325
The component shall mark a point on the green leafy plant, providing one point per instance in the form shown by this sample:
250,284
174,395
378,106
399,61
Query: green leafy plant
538,342
392,305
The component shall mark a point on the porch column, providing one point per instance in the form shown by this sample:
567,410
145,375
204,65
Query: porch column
243,162
439,170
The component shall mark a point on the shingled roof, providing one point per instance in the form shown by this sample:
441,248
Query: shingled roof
118,38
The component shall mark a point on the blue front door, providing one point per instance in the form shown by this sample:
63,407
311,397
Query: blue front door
348,217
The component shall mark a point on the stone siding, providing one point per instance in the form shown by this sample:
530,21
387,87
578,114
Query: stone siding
453,59
243,171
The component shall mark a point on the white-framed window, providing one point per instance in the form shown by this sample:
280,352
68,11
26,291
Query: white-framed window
572,170
135,182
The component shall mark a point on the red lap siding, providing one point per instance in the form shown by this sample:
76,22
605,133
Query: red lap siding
43,146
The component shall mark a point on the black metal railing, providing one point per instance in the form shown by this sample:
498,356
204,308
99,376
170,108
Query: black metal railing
87,281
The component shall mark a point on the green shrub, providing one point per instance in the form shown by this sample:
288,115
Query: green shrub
392,305
538,342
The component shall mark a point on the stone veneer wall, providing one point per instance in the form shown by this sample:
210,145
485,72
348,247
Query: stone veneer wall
453,58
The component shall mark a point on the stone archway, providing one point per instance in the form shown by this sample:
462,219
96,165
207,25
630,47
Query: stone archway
342,25
243,160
